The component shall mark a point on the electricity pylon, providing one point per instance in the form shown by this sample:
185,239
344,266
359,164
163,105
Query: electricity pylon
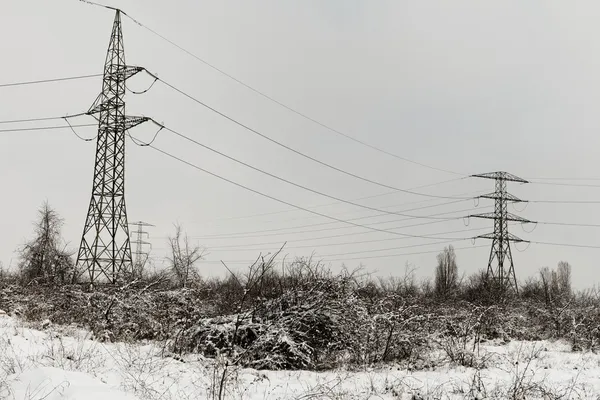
140,256
501,238
105,250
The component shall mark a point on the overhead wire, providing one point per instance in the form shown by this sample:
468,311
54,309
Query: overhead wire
320,193
356,199
565,201
45,128
584,246
330,223
16,121
272,99
354,258
251,234
313,159
315,238
569,224
283,201
387,249
563,179
76,134
65,118
70,78
565,184
143,91
360,233
313,246
145,144
403,254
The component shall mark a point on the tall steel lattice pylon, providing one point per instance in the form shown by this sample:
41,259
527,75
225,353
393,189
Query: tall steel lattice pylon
105,250
501,238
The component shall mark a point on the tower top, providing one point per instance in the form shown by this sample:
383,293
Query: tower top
500,175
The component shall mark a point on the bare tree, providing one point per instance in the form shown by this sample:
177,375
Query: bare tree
564,278
183,257
446,272
556,283
45,258
546,278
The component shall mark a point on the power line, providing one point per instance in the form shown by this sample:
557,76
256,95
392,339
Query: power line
216,237
360,198
321,237
227,235
45,128
70,78
15,121
404,254
388,249
241,247
570,224
335,168
565,201
303,115
584,246
264,95
283,201
230,248
237,249
564,179
565,184
354,258
292,149
293,183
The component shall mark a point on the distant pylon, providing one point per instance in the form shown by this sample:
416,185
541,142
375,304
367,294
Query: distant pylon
141,257
501,238
105,250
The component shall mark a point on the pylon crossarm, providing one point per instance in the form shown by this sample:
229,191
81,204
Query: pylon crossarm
502,197
99,108
516,218
515,239
486,216
511,238
500,175
127,72
506,217
485,236
131,122
140,223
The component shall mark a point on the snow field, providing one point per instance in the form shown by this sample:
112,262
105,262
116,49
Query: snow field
64,363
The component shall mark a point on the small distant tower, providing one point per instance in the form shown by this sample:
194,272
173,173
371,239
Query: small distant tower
501,238
141,257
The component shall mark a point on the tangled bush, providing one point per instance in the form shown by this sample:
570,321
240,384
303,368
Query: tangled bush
305,317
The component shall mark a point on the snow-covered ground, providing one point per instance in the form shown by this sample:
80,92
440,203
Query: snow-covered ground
64,363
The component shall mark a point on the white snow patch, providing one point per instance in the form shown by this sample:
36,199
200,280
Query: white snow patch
48,383
64,363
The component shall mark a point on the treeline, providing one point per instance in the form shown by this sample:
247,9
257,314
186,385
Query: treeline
46,259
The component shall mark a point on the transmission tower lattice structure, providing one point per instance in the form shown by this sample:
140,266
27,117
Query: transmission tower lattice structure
141,257
105,250
501,238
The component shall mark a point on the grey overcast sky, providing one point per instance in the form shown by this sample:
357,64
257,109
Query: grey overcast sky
468,86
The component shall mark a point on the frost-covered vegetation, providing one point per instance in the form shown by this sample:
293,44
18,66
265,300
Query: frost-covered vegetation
303,316
299,318
303,334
